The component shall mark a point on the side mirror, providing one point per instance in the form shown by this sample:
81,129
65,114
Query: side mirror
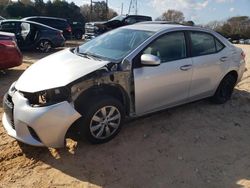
150,60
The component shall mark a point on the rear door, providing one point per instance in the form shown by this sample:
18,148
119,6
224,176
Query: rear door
157,87
210,59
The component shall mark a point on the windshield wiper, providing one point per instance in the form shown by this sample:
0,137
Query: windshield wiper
89,55
86,55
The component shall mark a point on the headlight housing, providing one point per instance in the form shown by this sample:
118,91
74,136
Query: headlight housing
48,97
12,89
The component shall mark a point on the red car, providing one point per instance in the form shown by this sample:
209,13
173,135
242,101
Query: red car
10,55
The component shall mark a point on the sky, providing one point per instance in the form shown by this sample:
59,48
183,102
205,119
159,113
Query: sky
200,11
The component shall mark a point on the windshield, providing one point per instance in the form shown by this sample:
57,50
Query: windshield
120,18
116,44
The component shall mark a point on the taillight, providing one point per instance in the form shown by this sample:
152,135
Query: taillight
60,34
8,43
69,29
243,55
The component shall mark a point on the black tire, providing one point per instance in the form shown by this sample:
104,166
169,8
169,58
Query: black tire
44,46
225,90
88,123
78,35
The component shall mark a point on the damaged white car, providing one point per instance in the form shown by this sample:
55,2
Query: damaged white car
128,72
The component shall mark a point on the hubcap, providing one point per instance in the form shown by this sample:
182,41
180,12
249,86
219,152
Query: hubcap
105,122
45,46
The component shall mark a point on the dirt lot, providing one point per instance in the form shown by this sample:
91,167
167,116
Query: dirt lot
195,145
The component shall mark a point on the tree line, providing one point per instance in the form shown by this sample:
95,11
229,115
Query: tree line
56,8
235,27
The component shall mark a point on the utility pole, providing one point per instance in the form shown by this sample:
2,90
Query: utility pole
90,16
122,9
107,9
133,5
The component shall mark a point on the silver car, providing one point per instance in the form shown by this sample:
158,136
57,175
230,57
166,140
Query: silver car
127,72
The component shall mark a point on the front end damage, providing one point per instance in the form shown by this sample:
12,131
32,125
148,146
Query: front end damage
37,125
43,118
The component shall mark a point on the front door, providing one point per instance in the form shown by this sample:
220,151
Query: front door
157,87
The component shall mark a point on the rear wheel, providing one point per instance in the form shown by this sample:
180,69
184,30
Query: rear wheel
44,46
225,89
102,119
78,35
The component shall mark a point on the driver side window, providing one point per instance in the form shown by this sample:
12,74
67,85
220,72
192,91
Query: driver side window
169,47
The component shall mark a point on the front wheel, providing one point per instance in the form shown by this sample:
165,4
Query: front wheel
44,46
102,119
225,90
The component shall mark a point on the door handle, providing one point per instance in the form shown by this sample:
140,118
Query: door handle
223,59
185,67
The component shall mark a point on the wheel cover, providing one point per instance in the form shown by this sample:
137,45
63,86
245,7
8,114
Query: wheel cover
105,122
45,46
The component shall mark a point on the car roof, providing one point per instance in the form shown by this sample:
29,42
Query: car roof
30,22
137,15
154,27
157,27
45,17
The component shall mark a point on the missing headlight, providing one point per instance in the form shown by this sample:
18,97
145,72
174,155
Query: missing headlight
48,97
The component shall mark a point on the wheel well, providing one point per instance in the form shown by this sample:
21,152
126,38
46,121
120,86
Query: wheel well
104,90
234,74
77,30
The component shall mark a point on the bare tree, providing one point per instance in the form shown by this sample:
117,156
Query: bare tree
99,12
173,16
215,25
4,2
26,2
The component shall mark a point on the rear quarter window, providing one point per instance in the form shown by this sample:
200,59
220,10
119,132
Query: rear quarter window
219,45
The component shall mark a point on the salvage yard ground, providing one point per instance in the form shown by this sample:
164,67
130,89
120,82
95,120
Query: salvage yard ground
196,145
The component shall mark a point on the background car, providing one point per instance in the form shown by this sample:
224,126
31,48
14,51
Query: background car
78,29
241,41
58,23
93,29
247,41
32,35
10,55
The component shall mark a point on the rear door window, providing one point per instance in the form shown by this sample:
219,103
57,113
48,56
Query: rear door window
202,43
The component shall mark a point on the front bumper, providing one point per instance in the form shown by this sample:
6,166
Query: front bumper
89,37
38,126
59,42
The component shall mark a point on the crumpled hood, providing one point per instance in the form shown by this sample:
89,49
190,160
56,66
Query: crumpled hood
56,70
